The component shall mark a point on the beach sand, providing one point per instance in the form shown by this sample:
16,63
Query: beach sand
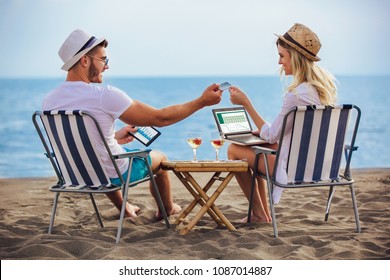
26,206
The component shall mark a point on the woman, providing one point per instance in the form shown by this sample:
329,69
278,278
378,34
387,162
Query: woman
311,85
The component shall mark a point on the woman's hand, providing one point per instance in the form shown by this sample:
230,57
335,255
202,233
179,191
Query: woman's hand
123,136
238,97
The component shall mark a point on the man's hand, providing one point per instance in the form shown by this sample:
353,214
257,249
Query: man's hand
123,136
145,115
212,95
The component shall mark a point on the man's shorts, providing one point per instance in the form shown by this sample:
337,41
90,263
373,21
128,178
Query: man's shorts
139,170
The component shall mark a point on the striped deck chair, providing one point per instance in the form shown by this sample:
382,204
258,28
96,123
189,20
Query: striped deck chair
318,141
65,136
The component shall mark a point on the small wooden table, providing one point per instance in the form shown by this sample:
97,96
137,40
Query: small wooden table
182,170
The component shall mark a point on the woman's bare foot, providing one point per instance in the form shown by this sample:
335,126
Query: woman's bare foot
256,219
174,210
131,210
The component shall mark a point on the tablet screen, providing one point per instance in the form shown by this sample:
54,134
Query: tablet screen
146,134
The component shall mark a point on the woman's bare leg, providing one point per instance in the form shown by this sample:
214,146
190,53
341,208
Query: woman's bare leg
260,203
244,179
261,184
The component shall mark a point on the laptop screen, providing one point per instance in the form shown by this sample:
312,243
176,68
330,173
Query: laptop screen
232,120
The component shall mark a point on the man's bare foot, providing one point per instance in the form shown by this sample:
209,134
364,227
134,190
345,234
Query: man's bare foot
131,210
174,210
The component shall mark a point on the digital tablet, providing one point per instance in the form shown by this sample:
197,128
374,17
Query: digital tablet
146,134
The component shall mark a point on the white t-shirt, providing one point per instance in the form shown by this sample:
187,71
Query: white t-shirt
303,95
105,103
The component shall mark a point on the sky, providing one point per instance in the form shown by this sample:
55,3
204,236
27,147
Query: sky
193,37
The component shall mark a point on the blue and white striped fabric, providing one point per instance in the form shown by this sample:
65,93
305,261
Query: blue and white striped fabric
76,156
317,143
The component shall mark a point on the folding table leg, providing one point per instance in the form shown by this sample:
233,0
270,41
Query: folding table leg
201,197
188,181
213,210
207,206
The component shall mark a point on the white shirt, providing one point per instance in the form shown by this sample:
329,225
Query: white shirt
105,103
303,95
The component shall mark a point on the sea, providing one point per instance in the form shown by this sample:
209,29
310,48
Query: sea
22,154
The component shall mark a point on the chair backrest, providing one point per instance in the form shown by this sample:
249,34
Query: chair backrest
317,142
76,160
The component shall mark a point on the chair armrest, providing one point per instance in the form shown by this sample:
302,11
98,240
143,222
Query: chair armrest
348,147
348,150
138,153
51,154
263,150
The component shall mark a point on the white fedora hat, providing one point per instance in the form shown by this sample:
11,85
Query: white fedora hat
76,46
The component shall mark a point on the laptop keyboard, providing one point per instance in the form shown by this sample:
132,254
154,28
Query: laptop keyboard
246,138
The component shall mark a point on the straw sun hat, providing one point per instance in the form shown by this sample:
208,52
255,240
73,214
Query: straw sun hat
76,46
303,40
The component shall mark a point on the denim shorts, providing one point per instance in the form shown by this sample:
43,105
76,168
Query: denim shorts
139,170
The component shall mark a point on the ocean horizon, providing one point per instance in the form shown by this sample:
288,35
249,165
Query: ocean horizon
22,154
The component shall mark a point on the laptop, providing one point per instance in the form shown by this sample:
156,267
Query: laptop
233,123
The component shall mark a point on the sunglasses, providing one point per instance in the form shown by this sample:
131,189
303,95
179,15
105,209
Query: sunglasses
105,61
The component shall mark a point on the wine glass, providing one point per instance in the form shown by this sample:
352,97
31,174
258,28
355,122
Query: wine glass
194,140
216,141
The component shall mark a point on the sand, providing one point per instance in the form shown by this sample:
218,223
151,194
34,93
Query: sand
303,235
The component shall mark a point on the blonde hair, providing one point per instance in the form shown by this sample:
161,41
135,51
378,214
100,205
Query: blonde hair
305,70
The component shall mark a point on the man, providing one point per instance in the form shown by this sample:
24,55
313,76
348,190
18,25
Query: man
85,59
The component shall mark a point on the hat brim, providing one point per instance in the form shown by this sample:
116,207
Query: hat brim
77,57
298,49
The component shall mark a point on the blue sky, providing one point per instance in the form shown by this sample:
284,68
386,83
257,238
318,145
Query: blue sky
193,38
